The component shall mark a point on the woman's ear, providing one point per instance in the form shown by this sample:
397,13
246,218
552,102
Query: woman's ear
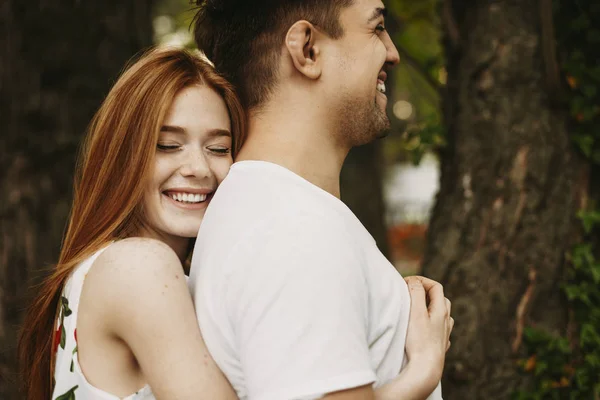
302,45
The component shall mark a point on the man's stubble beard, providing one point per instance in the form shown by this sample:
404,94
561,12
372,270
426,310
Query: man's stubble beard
361,122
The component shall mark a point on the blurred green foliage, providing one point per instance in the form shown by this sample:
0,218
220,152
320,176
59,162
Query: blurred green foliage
416,31
171,20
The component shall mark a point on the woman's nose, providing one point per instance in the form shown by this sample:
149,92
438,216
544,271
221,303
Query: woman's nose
195,165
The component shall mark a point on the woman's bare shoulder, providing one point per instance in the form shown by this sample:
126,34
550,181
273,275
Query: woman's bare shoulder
136,248
133,271
136,257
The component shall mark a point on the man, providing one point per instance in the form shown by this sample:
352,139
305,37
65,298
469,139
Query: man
293,297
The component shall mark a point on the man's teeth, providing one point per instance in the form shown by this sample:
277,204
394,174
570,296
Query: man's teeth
188,197
381,86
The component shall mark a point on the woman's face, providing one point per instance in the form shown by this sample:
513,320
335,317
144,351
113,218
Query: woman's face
193,155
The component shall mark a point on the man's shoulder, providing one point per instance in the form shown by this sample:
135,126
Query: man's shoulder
258,208
251,197
271,185
285,226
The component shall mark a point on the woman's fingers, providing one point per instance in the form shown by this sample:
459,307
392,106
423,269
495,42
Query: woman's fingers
449,316
437,301
434,293
430,324
425,291
417,295
449,331
426,282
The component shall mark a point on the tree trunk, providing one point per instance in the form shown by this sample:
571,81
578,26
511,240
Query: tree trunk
361,186
57,61
504,216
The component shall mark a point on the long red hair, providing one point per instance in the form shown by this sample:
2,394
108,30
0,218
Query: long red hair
115,161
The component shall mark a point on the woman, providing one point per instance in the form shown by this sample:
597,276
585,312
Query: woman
156,150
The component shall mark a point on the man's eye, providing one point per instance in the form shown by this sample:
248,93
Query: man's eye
167,147
380,28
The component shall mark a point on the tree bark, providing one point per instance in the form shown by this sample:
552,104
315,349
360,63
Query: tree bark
57,61
510,185
362,190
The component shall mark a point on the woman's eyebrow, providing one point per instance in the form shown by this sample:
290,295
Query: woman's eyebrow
172,128
212,132
219,132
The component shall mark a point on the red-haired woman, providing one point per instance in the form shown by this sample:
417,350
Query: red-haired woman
155,153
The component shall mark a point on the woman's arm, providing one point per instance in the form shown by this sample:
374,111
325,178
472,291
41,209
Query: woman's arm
427,341
140,294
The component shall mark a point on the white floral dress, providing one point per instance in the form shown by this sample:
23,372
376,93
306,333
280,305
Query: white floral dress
70,383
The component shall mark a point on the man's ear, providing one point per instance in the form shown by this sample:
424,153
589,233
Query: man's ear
301,44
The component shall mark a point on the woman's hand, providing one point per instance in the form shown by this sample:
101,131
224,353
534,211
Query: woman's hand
429,327
427,340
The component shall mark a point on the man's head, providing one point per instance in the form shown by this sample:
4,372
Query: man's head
244,38
337,48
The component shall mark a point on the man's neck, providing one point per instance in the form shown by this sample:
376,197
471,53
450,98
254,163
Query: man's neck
299,141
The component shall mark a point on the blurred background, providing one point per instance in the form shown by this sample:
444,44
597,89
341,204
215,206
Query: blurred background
487,183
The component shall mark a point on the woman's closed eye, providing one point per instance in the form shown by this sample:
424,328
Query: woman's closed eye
168,146
219,150
380,28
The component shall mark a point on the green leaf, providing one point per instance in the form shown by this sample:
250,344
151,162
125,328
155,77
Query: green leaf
584,142
595,272
589,219
65,306
63,337
70,395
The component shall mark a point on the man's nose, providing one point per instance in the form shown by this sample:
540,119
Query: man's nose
393,57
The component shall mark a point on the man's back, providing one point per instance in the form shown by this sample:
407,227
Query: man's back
293,297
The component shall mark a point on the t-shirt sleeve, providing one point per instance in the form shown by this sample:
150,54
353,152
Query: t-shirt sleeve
299,312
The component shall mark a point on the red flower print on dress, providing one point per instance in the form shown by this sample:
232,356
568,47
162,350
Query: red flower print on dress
57,336
65,311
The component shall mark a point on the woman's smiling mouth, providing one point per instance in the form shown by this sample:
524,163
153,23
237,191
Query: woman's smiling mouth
187,197
190,198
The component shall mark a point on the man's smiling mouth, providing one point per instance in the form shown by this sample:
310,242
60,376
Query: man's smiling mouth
381,82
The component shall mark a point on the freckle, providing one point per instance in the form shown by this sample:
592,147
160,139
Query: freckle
176,276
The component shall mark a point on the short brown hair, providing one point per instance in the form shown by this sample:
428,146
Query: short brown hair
242,38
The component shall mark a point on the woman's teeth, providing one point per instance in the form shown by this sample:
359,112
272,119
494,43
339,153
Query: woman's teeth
188,197
380,86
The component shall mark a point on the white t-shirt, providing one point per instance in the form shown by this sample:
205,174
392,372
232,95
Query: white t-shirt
293,296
